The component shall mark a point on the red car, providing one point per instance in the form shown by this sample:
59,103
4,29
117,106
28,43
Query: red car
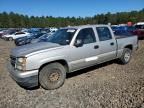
139,31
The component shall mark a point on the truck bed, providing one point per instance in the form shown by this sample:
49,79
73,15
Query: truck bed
123,36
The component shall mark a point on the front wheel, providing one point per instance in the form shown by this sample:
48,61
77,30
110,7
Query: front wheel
126,56
10,38
52,76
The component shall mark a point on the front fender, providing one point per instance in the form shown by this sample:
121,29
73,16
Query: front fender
36,61
51,59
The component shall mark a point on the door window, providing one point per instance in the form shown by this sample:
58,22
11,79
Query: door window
86,36
104,33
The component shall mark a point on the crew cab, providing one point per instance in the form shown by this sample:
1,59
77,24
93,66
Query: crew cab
68,50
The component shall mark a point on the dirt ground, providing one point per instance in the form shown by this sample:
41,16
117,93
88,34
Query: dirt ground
108,85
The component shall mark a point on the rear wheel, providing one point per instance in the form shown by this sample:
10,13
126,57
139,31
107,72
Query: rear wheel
52,76
126,56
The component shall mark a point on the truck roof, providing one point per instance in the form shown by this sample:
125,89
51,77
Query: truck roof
85,26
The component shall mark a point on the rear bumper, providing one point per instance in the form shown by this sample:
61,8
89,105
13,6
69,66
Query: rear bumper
27,79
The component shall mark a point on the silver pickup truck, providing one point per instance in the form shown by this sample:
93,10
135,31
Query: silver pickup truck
68,50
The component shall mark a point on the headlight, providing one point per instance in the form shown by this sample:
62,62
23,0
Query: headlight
21,60
21,63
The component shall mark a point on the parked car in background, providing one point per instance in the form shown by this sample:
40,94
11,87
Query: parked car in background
114,28
53,29
6,33
9,31
139,30
43,38
123,30
47,30
68,50
13,36
27,39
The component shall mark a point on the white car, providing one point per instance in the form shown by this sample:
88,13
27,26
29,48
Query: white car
11,37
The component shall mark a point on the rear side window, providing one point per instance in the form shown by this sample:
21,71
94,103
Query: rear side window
103,33
87,36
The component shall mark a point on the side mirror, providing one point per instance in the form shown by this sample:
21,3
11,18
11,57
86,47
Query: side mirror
78,43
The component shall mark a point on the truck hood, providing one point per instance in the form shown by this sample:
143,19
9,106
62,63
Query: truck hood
27,49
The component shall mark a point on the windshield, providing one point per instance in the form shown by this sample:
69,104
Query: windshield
62,36
43,37
37,35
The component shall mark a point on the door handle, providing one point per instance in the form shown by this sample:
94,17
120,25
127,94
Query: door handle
96,47
112,43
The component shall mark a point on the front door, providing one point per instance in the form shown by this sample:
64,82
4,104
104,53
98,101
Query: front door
86,54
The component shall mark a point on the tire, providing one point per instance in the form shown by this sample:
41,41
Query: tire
126,56
52,76
10,38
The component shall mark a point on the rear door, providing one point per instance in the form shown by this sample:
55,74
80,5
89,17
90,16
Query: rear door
107,44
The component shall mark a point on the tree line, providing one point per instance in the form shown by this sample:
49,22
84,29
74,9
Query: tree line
14,20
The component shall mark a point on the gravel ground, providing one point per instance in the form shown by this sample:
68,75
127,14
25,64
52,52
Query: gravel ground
108,85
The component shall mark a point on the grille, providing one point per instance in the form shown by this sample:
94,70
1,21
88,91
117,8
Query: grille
13,60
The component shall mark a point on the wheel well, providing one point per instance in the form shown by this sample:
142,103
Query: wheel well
63,62
129,46
10,37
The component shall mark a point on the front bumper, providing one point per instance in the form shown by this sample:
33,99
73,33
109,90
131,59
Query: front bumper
27,79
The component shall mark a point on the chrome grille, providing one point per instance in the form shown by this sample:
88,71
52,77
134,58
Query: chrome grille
13,60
